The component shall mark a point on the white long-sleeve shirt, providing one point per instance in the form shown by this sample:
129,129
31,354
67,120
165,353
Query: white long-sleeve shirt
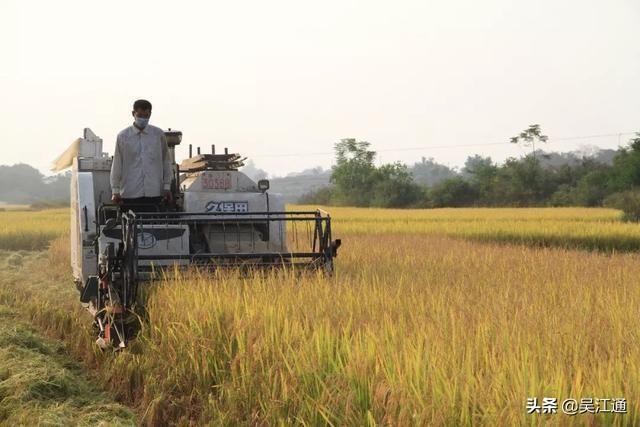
141,163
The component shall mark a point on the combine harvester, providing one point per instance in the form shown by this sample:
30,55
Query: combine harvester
218,218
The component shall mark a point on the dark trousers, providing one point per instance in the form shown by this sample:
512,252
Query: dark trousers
142,204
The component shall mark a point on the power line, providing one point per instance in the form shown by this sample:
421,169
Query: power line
603,135
431,147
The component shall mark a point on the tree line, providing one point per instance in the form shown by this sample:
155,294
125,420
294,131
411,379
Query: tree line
24,184
607,178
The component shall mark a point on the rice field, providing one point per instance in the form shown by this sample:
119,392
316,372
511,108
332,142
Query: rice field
427,321
32,230
582,228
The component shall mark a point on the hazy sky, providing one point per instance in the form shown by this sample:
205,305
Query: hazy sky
282,81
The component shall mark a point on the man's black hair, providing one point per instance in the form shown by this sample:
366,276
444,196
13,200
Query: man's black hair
141,104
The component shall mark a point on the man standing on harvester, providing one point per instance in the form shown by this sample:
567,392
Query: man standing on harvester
141,168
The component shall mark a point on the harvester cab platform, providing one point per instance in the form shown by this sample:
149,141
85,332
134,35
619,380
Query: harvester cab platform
217,218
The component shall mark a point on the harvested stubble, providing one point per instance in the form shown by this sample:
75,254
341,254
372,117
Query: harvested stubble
41,385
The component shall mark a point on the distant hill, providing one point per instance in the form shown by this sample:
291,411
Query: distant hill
573,158
292,187
294,184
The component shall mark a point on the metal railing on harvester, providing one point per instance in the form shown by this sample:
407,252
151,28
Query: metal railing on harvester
308,244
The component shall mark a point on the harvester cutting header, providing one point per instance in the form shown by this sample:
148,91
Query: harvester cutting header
212,216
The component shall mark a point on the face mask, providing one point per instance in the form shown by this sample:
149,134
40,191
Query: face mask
141,123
